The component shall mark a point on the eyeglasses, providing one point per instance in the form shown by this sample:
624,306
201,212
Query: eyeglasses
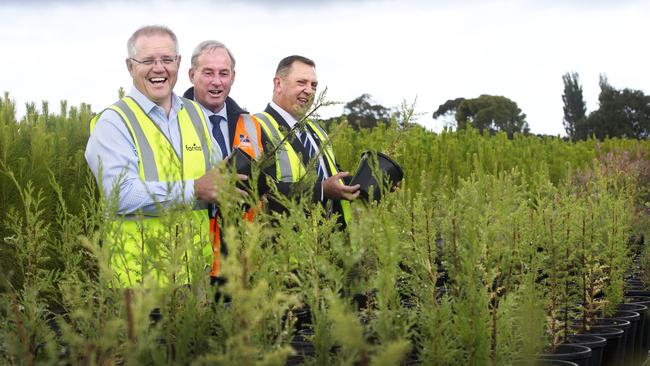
165,60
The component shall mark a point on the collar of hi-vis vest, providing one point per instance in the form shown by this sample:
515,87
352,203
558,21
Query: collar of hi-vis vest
289,166
158,160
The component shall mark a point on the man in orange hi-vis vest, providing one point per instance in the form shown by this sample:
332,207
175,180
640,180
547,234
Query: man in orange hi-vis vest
212,73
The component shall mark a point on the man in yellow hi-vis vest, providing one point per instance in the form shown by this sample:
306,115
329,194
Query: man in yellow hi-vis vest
154,150
294,86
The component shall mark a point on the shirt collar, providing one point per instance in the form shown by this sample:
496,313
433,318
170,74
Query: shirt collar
223,112
284,114
147,105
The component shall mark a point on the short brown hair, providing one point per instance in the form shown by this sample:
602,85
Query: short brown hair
285,64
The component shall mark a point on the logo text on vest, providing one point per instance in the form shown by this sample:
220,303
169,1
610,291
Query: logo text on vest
244,141
194,147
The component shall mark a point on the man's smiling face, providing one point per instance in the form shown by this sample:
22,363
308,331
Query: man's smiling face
155,81
295,91
212,77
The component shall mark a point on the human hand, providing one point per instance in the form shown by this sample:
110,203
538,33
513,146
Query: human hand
213,185
334,189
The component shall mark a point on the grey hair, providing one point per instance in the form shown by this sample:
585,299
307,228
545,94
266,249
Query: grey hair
208,46
149,30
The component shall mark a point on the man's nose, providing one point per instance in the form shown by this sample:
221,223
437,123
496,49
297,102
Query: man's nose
216,80
158,65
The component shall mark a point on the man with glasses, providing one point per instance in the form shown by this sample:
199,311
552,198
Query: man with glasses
152,153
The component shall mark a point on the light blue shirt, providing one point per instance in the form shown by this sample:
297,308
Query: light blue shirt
112,151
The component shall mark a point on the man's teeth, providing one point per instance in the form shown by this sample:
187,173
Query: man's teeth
157,80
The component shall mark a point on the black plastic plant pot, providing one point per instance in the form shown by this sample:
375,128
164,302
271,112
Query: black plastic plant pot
554,363
390,173
302,317
633,284
596,343
633,317
637,299
611,350
580,355
302,347
642,326
242,163
613,356
645,293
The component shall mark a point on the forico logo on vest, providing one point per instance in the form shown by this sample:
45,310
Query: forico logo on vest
194,147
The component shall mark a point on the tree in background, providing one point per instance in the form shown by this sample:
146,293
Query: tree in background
490,113
621,113
363,113
575,110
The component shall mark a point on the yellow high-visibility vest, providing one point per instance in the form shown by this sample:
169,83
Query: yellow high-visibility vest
288,165
142,246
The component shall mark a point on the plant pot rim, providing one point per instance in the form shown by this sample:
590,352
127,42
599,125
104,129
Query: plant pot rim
568,352
641,307
594,341
631,316
612,323
606,332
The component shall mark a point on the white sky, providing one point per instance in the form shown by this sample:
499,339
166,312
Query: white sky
394,50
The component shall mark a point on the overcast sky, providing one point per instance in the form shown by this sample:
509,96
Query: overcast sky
393,50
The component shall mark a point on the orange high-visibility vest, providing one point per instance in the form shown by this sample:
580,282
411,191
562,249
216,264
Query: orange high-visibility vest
248,137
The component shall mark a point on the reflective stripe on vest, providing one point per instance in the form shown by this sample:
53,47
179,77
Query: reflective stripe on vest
248,127
328,153
136,243
289,167
287,156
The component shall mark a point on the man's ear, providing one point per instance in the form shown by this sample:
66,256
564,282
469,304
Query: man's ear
129,66
277,85
190,74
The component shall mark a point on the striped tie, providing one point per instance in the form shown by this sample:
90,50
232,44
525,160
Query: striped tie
311,151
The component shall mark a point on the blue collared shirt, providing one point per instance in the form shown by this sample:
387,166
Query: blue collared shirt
112,151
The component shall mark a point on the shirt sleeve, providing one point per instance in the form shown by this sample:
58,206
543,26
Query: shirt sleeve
113,159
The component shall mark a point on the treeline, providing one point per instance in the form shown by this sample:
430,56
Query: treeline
621,112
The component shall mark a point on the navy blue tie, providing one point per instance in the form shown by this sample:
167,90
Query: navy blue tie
218,135
311,151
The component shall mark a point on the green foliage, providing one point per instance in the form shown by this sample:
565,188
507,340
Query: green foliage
362,113
575,109
477,258
621,113
487,113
